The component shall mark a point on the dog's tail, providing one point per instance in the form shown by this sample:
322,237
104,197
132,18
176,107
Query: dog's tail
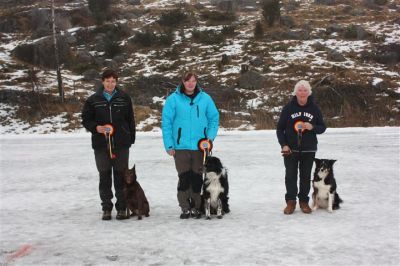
337,198
337,201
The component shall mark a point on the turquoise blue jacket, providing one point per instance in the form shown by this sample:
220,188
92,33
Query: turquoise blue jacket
185,121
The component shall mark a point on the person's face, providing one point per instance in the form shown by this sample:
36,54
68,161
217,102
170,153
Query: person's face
190,85
302,94
109,84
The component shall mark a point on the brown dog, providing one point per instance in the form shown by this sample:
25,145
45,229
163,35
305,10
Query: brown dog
135,198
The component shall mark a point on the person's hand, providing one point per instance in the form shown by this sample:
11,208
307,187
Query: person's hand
308,126
286,150
101,129
171,152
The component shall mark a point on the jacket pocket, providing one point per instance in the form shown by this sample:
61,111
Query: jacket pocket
197,111
205,132
179,135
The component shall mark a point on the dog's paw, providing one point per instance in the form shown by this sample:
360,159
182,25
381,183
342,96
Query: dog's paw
314,208
219,216
330,210
208,217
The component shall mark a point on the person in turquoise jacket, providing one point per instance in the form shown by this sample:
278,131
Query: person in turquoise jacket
189,114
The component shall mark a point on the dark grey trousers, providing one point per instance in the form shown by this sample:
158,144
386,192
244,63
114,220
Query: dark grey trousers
105,165
189,165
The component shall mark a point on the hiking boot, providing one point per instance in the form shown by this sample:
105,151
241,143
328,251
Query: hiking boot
106,215
121,215
304,207
185,214
290,207
194,213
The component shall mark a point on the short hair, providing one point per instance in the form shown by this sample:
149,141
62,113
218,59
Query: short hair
302,83
188,75
108,73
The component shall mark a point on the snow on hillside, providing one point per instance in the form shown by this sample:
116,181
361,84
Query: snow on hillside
310,43
50,205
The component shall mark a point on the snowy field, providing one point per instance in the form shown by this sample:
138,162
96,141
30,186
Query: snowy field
50,208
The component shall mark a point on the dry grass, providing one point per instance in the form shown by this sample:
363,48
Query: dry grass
142,112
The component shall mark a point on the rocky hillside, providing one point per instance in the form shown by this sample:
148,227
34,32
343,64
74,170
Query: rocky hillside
348,49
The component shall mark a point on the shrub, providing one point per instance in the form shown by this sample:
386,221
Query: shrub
258,30
172,18
208,36
350,32
166,39
145,39
81,17
271,11
228,30
112,48
149,38
100,10
219,17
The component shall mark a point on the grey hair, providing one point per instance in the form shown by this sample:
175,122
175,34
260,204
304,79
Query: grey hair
302,83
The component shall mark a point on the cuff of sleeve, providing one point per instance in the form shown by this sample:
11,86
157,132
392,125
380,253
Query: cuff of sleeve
93,129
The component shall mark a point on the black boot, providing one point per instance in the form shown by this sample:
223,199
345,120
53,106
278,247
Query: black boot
121,215
185,214
195,213
106,215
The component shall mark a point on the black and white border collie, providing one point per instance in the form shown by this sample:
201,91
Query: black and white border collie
324,184
215,188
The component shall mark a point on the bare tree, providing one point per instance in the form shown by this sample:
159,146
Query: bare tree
33,78
59,78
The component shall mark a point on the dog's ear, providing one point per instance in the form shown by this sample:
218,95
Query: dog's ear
219,163
332,162
317,161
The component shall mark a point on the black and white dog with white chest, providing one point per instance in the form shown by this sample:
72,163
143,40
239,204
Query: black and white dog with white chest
324,184
215,188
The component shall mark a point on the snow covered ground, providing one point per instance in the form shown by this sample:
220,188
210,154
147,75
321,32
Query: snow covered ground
50,205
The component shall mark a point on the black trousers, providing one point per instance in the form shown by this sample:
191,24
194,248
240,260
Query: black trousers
302,161
108,167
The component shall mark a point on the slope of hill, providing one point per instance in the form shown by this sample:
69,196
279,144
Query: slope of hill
349,50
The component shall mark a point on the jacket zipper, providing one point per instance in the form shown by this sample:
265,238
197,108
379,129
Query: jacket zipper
205,132
112,137
197,111
109,107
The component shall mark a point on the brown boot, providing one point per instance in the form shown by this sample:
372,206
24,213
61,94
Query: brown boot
304,207
290,207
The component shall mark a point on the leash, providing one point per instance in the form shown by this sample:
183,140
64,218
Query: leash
205,145
298,127
107,134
